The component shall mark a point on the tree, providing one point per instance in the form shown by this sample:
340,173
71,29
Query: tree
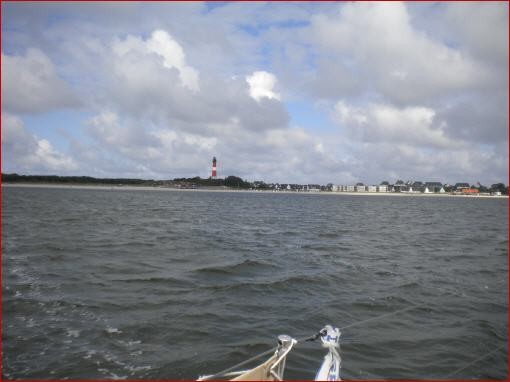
499,187
236,182
385,183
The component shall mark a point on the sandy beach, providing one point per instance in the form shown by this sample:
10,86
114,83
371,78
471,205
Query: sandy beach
222,189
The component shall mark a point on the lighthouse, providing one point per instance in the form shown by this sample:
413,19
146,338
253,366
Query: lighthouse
213,173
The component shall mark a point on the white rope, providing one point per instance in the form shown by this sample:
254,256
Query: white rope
382,316
315,336
475,361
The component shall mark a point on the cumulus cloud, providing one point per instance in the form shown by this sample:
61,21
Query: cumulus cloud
289,154
166,48
144,85
261,85
129,140
388,161
384,123
30,84
23,151
282,155
413,143
378,43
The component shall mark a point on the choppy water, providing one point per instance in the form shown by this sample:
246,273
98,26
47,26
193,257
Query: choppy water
101,284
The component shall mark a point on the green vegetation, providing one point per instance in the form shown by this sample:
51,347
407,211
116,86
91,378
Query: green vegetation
195,182
230,181
198,181
7,178
499,187
236,182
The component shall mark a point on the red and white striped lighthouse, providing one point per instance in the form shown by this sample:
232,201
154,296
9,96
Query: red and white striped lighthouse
213,174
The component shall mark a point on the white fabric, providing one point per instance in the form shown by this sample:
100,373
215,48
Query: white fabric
330,368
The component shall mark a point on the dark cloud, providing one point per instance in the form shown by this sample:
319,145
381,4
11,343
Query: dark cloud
478,119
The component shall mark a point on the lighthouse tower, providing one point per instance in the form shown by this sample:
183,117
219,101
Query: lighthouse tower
213,173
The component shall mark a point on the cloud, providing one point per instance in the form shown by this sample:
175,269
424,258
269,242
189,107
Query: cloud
388,161
23,151
261,85
414,125
414,88
289,154
377,44
164,46
127,139
487,40
478,118
281,155
152,119
30,84
414,143
152,87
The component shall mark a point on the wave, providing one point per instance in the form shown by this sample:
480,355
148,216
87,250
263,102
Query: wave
295,282
409,285
170,281
236,268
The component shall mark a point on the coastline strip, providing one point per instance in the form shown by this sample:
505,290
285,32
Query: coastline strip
206,189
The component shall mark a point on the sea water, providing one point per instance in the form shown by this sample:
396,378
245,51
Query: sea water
137,284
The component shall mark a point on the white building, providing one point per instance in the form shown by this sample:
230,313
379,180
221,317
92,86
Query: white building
372,188
382,188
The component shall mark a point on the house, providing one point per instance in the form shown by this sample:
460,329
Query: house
433,187
399,186
470,191
382,188
461,186
351,189
372,188
418,187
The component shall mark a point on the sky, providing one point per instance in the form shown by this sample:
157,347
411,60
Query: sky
323,92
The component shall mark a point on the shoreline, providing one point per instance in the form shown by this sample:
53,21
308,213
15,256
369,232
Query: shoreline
205,189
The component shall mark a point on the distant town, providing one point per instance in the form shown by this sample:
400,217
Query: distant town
235,182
